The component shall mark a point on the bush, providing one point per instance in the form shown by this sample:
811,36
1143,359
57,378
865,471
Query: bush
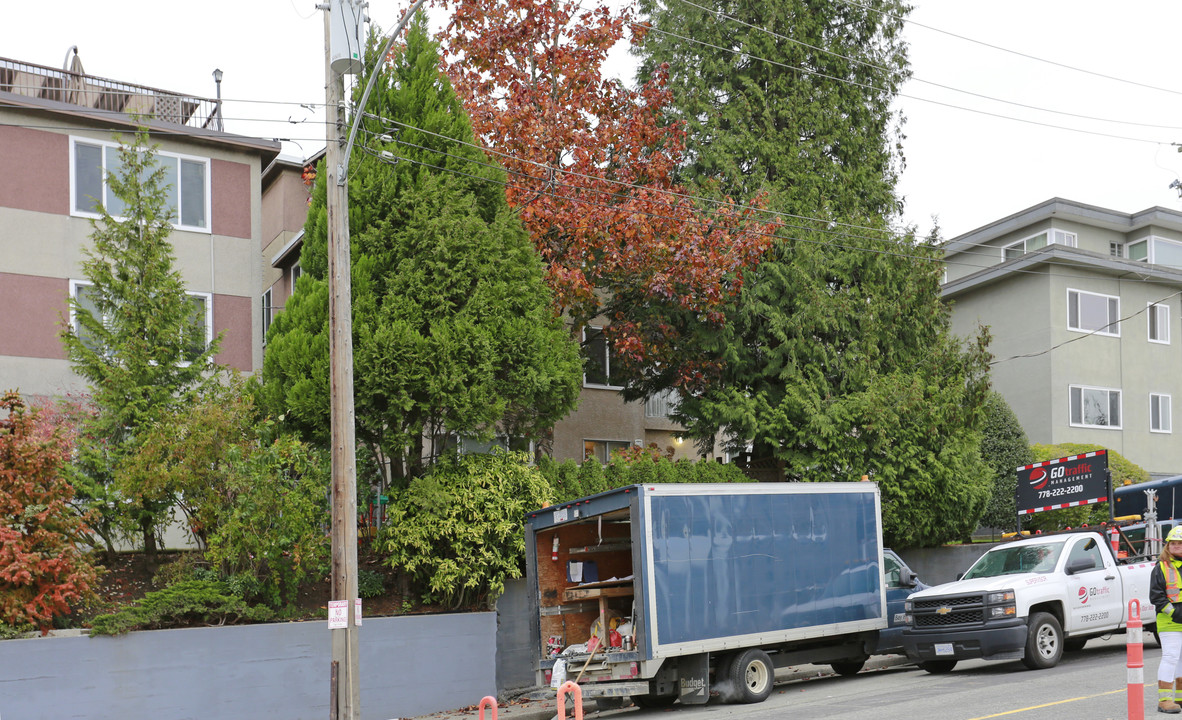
186,603
370,584
457,531
571,481
43,574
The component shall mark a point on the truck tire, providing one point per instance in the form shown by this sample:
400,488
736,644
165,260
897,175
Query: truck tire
1044,642
848,667
752,676
938,667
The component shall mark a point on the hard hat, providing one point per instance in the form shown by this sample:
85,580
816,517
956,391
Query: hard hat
1175,534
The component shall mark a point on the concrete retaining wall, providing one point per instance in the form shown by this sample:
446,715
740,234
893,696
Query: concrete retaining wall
939,565
410,666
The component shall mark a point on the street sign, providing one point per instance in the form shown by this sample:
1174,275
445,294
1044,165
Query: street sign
1066,482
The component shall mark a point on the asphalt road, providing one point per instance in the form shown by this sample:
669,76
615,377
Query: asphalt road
1089,684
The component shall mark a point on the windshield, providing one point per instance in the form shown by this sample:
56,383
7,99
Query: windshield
1015,560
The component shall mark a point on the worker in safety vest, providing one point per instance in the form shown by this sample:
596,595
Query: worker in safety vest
1165,592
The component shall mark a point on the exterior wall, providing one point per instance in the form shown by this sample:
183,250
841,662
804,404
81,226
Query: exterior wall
42,246
603,415
1016,312
410,666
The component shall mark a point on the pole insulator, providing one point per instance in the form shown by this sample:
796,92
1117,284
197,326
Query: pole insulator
1136,664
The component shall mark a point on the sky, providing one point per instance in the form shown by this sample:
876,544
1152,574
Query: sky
973,153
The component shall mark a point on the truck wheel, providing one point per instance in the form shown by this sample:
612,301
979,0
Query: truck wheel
752,676
848,667
1044,642
938,667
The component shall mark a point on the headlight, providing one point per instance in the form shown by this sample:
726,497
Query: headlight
1002,611
908,606
1000,597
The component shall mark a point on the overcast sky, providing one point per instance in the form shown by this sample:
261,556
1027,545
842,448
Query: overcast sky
970,159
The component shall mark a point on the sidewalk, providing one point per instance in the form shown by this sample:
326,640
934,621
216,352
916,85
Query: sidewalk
524,708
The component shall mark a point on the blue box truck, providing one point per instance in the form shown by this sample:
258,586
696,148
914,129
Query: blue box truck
671,592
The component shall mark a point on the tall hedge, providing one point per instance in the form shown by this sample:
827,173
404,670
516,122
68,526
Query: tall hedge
570,480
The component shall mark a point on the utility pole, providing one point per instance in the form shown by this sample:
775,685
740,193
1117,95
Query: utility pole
345,695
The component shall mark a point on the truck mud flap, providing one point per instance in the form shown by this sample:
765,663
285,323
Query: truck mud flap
693,679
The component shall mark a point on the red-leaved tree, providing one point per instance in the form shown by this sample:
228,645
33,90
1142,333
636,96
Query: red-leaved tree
591,165
42,571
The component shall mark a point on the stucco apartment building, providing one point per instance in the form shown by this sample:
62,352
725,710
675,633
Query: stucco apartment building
57,141
1083,304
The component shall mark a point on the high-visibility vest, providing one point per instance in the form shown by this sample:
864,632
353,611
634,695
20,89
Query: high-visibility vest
1173,581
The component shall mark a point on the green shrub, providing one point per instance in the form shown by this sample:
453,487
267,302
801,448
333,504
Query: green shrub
457,532
189,566
571,481
186,603
370,584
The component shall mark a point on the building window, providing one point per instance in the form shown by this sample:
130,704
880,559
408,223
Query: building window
1092,312
268,314
1159,323
1062,237
1159,413
186,181
1013,250
1095,407
201,315
296,272
597,356
1158,251
602,450
1116,250
662,405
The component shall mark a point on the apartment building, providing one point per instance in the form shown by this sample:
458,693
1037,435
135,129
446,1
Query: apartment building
58,133
1083,304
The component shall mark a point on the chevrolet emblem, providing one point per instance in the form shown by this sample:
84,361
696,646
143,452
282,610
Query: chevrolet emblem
943,610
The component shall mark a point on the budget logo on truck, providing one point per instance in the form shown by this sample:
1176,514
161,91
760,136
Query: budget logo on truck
1065,482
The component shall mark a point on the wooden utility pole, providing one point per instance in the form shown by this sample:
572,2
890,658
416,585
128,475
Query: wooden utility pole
345,657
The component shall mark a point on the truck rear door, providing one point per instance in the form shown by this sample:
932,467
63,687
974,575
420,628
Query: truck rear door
1094,597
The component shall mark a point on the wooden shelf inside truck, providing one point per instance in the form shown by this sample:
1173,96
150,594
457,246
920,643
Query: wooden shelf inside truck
588,592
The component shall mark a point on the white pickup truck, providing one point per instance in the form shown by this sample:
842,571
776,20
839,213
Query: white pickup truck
1026,600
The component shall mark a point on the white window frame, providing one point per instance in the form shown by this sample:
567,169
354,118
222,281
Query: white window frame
103,146
1151,242
268,311
1112,321
1085,388
207,298
1168,426
1063,237
1116,250
1162,312
607,362
1005,248
294,273
607,447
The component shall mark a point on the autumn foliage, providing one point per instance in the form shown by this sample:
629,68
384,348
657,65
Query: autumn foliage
590,164
42,572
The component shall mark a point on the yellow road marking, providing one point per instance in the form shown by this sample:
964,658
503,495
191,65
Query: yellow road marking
1058,702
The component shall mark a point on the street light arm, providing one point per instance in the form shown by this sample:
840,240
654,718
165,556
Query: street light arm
369,88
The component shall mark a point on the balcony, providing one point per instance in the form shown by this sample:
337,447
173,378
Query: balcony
107,96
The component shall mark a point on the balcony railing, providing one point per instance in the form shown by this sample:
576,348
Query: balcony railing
103,95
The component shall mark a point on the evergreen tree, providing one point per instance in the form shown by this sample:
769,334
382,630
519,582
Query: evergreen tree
1004,448
792,97
139,341
452,327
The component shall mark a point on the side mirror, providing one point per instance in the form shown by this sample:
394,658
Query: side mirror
1080,565
907,578
960,576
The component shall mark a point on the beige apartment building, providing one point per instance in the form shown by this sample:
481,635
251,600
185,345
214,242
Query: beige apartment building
57,142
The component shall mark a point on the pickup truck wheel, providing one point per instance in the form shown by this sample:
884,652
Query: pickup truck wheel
752,676
938,667
1044,642
848,667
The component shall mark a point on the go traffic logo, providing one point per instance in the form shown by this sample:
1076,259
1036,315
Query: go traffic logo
1083,596
1039,478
